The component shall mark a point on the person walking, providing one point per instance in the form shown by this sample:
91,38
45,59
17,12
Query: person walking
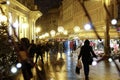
32,50
86,53
47,47
39,52
24,59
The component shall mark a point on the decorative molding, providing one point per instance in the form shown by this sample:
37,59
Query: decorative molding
35,15
18,5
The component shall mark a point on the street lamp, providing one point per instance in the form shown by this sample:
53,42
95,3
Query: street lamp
65,32
113,21
45,35
38,29
76,29
60,29
87,27
52,32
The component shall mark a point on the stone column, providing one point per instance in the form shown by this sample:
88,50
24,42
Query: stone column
33,16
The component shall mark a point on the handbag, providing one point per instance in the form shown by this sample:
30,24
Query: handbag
78,66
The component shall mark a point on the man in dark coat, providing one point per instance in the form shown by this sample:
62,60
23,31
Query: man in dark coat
24,59
40,51
32,50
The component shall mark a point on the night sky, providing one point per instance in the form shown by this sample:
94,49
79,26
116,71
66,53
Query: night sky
45,5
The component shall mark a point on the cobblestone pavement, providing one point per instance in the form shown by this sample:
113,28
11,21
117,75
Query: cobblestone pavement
57,68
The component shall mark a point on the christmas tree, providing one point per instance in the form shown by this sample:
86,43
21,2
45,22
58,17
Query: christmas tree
8,56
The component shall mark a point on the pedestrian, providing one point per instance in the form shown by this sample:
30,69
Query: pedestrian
71,46
39,52
61,48
24,59
86,53
32,50
47,47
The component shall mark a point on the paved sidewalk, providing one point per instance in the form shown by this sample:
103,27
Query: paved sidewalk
55,68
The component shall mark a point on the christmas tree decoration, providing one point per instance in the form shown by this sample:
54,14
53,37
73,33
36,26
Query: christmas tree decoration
8,54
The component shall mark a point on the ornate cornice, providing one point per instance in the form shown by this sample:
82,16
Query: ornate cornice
16,5
35,15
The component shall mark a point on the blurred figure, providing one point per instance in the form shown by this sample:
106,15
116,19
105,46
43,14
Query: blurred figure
24,59
86,53
71,46
32,50
39,52
47,48
74,45
61,48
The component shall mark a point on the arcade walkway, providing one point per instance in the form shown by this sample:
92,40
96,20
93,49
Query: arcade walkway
55,68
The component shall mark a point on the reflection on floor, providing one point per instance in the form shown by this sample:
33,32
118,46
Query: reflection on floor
57,68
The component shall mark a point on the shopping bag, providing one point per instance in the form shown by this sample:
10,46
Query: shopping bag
77,70
78,66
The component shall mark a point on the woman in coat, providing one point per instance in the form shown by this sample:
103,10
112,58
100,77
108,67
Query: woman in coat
86,52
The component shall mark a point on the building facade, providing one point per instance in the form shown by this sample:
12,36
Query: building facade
73,15
23,19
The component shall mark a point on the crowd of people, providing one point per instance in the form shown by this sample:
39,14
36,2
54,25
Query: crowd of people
28,50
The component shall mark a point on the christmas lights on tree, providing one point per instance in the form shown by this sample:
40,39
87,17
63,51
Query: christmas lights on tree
8,56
